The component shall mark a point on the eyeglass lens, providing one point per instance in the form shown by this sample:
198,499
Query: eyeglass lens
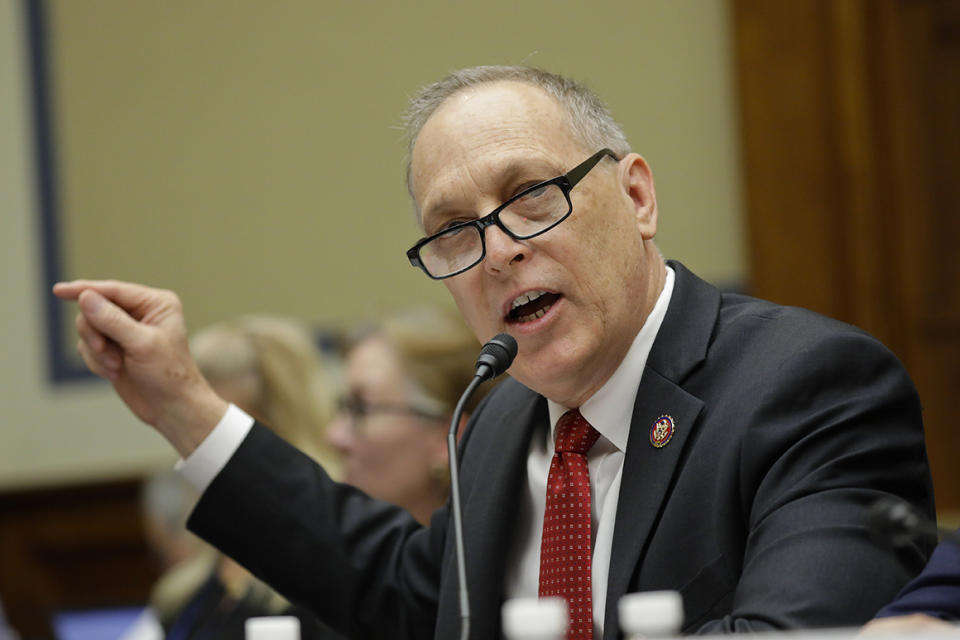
528,215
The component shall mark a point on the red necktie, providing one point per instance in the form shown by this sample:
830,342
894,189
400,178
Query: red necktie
565,549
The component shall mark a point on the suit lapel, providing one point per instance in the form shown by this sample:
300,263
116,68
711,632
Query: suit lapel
495,477
648,471
646,479
491,510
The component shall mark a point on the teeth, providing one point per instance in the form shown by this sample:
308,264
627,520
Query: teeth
533,316
524,298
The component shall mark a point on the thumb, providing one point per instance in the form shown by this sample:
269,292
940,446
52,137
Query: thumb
109,319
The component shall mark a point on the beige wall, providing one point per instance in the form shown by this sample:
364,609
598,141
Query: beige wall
247,155
48,434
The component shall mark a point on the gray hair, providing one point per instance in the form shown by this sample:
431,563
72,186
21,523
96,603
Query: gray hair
591,121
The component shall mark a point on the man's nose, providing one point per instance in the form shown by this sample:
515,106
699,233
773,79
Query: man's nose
502,250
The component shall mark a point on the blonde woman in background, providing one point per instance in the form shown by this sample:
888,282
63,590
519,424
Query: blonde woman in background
271,368
404,376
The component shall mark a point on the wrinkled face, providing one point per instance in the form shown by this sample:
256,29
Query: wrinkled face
390,455
585,286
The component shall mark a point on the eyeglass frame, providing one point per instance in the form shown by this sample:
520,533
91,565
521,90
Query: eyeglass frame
566,182
350,405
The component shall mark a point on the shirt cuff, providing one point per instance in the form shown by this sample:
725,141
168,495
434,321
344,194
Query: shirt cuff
206,461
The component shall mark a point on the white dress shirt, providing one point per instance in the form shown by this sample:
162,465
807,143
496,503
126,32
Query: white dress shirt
609,411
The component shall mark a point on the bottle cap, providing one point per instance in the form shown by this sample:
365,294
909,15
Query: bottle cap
651,613
530,618
273,628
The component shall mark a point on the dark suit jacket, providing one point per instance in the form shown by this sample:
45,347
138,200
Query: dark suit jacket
788,426
213,613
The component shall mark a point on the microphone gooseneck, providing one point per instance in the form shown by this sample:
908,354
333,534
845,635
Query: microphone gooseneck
495,358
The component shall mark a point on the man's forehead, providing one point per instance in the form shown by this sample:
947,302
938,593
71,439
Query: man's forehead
504,125
452,189
500,105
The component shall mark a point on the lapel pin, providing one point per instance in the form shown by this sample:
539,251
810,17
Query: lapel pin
662,431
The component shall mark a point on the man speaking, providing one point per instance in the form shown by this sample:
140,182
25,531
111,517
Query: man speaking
655,434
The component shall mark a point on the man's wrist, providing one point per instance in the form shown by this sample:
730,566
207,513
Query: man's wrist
186,429
215,451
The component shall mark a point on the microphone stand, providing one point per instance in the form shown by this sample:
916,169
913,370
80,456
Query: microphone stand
455,502
495,358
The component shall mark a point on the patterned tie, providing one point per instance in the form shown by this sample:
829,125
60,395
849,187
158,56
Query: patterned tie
565,549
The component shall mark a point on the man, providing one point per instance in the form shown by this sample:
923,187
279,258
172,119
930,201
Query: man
736,444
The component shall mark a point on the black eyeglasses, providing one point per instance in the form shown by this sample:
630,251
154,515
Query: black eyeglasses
358,408
528,214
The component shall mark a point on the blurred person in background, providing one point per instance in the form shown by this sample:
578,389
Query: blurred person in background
166,500
271,368
185,561
404,376
929,602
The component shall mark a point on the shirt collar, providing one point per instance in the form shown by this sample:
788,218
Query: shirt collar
610,409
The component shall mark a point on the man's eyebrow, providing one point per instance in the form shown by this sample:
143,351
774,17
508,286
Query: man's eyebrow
507,177
527,169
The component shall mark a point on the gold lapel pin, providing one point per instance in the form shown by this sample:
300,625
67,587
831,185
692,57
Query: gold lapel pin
662,431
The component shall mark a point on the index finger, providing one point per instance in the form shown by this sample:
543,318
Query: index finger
123,293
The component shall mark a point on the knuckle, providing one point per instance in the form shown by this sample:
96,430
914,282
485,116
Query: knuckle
173,300
88,359
150,341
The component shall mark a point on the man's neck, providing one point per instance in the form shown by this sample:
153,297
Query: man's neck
580,387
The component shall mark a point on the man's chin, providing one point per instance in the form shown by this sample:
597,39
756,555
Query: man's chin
555,376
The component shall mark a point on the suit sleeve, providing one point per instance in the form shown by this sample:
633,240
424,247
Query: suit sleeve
836,425
366,568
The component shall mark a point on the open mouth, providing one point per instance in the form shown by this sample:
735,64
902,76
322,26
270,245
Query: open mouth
531,305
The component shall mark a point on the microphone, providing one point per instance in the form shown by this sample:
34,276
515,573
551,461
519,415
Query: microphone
898,524
495,357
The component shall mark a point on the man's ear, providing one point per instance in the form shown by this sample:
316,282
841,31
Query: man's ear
638,185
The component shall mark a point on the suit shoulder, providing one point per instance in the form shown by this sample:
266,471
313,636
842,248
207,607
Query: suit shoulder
765,344
787,330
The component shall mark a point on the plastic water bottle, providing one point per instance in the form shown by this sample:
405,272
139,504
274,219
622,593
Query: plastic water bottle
273,628
651,614
535,619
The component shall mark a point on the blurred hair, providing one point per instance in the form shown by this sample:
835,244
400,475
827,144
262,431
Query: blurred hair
166,499
435,348
278,374
590,120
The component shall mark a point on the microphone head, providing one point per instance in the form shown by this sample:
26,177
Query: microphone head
496,356
895,522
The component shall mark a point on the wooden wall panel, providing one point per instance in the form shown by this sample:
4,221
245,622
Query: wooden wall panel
851,122
923,97
71,548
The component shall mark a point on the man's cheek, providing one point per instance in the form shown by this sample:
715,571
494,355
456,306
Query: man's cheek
471,308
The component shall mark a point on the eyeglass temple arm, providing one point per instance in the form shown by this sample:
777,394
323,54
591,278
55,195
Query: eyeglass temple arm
576,174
